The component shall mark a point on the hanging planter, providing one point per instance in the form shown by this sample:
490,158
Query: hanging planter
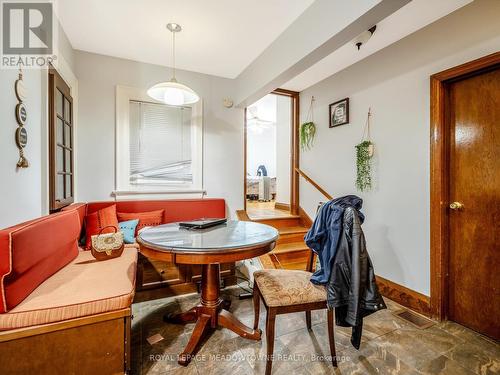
307,133
308,129
364,154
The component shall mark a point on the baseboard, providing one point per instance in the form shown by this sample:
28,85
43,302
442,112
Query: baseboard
404,296
305,217
282,206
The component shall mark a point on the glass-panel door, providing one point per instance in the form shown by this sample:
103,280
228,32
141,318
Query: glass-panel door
60,142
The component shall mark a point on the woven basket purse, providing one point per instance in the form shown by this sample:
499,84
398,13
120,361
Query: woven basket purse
107,246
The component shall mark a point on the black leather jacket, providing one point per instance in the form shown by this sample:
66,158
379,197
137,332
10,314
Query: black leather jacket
352,289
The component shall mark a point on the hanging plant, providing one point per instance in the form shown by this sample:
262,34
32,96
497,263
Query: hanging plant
307,133
308,129
363,177
364,153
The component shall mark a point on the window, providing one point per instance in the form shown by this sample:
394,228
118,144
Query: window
160,144
61,175
159,147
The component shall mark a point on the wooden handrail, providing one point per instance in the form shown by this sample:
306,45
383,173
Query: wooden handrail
313,183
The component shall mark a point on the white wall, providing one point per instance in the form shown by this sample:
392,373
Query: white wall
20,189
261,136
283,133
261,150
24,192
395,83
223,128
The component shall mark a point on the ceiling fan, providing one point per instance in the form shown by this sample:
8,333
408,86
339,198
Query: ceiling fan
256,123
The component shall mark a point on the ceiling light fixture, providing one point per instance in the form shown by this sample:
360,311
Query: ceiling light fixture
364,37
173,92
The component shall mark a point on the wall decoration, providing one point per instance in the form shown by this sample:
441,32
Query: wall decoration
308,129
21,117
339,113
364,154
20,90
21,137
227,102
21,114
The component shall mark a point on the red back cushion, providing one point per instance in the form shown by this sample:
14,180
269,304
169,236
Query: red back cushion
97,221
175,209
33,251
146,219
81,208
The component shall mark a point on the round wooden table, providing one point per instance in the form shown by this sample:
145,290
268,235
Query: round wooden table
230,242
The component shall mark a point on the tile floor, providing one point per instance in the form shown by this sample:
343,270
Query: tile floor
389,345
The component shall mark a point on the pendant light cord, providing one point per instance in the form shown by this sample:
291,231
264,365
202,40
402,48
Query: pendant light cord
173,56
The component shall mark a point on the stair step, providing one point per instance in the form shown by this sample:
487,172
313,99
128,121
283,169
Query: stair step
280,223
289,260
290,247
301,265
293,230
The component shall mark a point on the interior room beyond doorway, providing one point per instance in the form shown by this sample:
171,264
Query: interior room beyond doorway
268,150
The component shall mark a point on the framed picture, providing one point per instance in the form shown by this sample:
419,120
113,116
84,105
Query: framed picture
339,113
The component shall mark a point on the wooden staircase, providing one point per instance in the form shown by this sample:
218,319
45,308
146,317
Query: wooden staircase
291,251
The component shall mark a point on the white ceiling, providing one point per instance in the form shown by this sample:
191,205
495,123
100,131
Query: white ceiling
410,18
219,37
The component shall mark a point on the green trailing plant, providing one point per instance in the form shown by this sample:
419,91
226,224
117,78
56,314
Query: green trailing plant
363,165
307,130
364,153
307,133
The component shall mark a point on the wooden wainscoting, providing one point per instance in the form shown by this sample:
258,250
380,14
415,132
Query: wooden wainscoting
404,296
96,344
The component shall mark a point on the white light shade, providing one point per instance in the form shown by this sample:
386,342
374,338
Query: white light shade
173,93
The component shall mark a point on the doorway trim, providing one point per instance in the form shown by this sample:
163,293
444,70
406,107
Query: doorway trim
439,177
294,148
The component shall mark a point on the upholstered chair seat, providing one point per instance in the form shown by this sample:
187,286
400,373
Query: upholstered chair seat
289,291
288,287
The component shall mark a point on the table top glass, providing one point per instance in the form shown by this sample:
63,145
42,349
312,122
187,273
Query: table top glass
232,235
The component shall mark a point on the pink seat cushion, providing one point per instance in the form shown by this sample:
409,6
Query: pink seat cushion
84,287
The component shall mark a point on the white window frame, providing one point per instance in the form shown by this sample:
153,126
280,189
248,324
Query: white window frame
123,187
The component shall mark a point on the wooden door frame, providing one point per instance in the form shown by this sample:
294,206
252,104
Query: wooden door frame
439,177
294,148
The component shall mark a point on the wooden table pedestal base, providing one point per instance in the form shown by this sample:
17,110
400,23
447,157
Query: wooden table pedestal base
211,312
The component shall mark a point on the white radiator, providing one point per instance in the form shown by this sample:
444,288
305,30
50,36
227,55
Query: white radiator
265,189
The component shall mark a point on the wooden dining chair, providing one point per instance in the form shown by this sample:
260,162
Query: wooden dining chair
289,291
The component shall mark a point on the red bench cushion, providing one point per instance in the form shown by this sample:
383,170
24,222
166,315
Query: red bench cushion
31,252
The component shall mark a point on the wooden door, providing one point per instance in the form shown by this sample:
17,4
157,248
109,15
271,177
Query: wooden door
474,183
61,145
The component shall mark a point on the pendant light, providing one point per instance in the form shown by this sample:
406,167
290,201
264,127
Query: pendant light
173,92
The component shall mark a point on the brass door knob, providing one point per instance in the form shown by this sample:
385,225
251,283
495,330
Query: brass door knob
456,206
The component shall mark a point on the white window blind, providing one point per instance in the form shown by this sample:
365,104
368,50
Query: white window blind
160,144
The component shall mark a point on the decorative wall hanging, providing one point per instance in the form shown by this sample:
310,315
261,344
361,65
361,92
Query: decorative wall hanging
308,129
364,154
21,117
339,113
